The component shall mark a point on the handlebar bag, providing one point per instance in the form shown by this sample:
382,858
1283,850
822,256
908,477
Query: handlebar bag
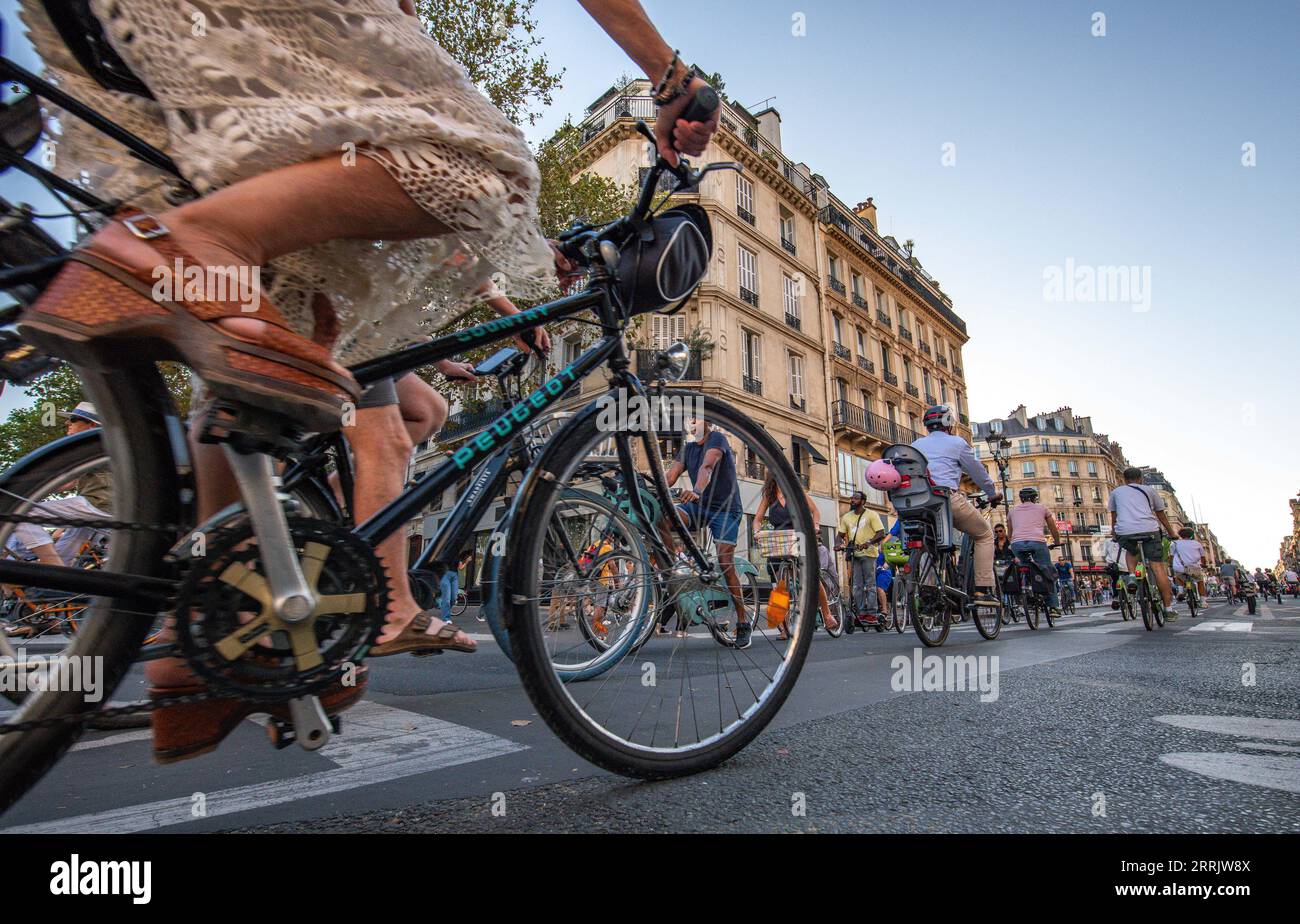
661,266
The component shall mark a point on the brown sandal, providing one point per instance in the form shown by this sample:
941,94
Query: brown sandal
188,730
99,301
415,637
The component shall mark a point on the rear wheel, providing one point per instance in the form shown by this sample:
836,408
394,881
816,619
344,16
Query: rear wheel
988,620
1030,609
928,607
135,409
1144,604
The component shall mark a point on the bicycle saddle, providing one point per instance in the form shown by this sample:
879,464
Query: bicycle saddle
84,36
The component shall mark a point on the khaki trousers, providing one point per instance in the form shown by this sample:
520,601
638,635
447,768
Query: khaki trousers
966,518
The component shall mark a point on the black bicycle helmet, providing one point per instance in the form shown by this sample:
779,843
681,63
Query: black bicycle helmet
1028,495
939,417
662,265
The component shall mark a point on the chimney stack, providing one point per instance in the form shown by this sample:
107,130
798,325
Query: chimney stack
867,210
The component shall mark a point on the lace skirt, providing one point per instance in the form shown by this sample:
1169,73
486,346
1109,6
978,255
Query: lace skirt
246,86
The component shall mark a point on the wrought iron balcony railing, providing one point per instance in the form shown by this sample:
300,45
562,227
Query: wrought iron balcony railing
749,297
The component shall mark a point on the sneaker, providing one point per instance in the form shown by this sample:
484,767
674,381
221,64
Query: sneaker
869,619
743,632
1171,615
1114,604
1055,611
985,599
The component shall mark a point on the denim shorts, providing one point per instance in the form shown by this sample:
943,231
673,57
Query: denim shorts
724,525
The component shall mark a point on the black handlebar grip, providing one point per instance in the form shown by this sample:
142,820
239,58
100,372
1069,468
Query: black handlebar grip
702,106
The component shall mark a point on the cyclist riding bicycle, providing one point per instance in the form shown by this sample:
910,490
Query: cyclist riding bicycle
1064,576
1187,555
1027,519
435,197
1137,515
949,456
1229,577
772,508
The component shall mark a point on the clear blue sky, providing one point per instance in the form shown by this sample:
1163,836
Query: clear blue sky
1121,150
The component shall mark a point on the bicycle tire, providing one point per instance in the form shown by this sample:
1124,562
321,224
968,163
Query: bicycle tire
135,408
1144,606
980,621
922,565
1030,610
834,603
546,691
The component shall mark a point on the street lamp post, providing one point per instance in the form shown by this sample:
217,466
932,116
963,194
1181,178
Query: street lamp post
1002,461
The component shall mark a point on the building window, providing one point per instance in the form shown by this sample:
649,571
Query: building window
745,198
1054,467
943,392
787,229
1074,469
845,473
791,296
1023,445
838,323
857,285
1027,469
751,346
747,272
665,329
882,305
1078,494
884,360
796,378
862,343
1092,469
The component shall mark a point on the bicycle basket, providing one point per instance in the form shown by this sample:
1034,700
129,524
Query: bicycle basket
663,264
778,544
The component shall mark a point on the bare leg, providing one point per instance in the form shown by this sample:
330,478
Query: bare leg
381,447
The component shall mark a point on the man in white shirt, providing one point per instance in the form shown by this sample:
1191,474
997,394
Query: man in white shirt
948,456
1187,555
1137,515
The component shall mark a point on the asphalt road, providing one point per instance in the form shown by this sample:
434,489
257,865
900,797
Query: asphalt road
1095,726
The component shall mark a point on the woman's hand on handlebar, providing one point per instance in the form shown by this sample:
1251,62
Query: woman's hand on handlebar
566,270
456,371
674,134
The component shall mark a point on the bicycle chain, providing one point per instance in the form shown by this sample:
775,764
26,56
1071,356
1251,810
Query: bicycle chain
92,523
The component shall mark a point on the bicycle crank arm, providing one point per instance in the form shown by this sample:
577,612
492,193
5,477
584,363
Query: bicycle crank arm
291,597
308,727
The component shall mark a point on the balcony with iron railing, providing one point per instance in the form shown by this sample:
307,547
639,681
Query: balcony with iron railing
842,352
956,370
755,469
883,318
798,402
912,390
925,347
752,385
930,399
845,415
789,247
804,479
943,361
890,378
899,263
866,365
750,298
466,423
904,332
836,286
860,302
793,321
746,215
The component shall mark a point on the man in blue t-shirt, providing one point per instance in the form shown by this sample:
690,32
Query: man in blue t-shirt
1065,579
713,500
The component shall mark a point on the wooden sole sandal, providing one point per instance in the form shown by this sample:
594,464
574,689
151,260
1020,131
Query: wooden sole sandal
101,302
188,730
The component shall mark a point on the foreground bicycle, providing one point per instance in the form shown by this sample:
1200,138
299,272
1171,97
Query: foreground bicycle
939,583
275,605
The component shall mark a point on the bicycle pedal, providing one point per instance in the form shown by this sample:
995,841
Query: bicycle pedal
249,429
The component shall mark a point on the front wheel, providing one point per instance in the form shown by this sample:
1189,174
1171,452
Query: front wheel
683,702
1144,604
928,606
137,440
988,621
834,605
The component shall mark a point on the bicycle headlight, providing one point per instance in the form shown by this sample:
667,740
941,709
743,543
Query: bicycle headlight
671,363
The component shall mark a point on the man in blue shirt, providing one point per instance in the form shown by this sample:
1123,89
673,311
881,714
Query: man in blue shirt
948,456
712,500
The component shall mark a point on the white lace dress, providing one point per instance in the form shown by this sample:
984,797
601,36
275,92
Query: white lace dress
245,86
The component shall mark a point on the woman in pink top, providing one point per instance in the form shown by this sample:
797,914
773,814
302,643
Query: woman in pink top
1027,521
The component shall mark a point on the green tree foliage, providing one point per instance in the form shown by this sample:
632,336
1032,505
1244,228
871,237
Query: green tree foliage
496,41
28,428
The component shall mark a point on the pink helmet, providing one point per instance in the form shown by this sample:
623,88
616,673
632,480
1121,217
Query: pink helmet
882,475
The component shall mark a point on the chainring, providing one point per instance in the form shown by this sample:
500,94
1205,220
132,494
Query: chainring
234,639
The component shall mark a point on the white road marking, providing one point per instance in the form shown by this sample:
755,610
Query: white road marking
1222,625
1263,746
141,734
379,744
1271,771
1241,726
